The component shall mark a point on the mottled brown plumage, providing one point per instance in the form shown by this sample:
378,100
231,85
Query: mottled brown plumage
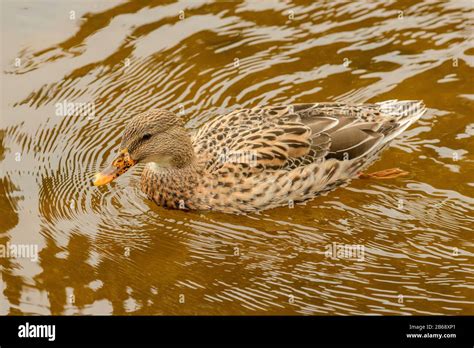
264,157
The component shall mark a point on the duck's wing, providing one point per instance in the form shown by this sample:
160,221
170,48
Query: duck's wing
357,131
257,139
287,137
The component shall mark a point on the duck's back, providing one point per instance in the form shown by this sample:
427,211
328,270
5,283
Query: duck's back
264,157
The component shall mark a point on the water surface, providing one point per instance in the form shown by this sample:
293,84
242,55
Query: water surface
108,250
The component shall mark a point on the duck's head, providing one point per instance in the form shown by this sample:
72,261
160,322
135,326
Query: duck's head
155,136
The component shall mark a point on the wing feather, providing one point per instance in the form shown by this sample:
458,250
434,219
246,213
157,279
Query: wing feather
286,137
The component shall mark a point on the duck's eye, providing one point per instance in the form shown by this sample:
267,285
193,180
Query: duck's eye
145,137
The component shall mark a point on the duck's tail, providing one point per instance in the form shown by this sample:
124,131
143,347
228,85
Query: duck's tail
404,113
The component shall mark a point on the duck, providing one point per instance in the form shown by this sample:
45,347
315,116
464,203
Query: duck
259,158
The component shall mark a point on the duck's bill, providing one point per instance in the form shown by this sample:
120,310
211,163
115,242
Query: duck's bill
119,166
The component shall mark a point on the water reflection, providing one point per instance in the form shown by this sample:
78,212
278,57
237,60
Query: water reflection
110,251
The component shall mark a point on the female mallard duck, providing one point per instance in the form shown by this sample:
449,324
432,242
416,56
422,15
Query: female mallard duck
259,158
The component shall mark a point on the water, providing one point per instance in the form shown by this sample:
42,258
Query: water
108,250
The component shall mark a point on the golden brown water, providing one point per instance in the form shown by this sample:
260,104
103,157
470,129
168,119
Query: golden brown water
110,251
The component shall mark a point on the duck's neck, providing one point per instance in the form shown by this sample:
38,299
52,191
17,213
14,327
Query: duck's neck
170,186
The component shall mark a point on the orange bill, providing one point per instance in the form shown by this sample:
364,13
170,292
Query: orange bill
119,166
